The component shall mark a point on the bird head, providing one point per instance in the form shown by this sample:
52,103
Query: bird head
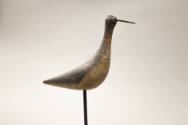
112,20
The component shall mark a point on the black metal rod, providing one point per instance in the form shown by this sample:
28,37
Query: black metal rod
85,107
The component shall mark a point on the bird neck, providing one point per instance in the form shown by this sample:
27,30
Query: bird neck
108,34
105,48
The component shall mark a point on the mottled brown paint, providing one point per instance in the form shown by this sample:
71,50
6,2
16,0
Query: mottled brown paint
108,38
92,73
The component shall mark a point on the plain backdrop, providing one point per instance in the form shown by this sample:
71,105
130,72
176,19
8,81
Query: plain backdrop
148,79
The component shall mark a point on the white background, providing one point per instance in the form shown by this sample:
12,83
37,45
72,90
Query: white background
148,79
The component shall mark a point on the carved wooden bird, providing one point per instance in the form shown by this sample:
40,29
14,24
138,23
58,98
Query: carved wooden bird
92,73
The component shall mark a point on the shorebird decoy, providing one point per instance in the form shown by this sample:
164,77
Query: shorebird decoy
92,73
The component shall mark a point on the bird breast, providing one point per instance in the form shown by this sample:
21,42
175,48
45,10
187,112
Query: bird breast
97,73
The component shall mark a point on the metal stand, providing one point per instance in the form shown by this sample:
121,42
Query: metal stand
85,106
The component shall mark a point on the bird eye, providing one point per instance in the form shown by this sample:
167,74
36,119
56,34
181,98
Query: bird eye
113,21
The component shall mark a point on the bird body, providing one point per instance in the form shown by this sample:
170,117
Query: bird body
92,73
